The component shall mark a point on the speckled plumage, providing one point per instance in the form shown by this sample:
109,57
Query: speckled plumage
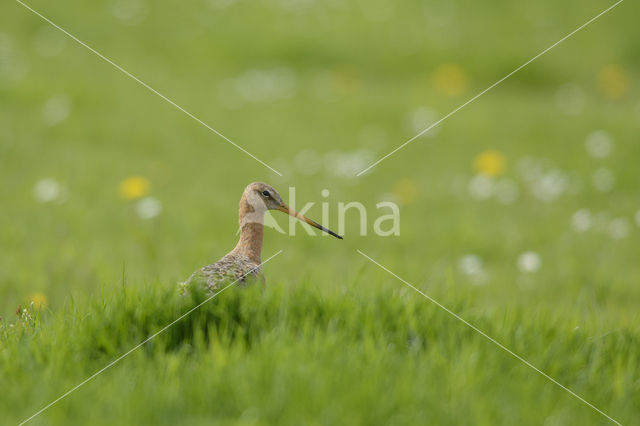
232,267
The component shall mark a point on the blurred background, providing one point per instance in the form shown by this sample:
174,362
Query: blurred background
529,195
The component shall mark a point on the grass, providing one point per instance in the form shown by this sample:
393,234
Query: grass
332,338
254,356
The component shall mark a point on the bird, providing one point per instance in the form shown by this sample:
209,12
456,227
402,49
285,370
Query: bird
244,263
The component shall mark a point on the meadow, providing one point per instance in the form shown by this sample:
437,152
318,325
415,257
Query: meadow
520,213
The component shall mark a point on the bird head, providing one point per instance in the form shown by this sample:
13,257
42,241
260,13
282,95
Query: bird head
264,197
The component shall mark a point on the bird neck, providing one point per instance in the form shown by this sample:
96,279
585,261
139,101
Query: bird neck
251,221
250,242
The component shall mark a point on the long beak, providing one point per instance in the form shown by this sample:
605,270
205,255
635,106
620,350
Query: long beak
286,209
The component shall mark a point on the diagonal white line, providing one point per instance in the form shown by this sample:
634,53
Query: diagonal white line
141,343
489,88
491,339
151,89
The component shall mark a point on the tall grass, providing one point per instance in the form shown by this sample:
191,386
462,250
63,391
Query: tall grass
277,356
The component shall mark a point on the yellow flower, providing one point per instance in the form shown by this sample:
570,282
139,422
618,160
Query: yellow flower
490,163
450,79
39,300
613,82
406,191
134,187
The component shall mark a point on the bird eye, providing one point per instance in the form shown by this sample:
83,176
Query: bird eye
265,193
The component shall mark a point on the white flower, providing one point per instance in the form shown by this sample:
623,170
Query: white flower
148,208
619,228
481,187
529,262
543,179
581,220
420,119
56,109
550,185
49,190
347,164
599,144
471,265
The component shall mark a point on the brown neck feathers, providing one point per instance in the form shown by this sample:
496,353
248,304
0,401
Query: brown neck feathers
251,231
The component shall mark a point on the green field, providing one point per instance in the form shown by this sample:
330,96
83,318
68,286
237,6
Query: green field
520,213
